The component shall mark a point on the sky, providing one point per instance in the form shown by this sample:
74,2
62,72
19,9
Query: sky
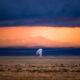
40,23
39,36
18,9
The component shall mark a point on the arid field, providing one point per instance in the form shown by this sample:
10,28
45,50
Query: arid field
36,68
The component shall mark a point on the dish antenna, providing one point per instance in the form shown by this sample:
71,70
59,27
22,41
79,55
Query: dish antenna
39,52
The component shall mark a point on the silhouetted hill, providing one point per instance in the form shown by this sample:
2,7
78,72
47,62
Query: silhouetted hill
23,51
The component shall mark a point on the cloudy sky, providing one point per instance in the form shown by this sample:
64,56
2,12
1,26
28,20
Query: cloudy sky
46,23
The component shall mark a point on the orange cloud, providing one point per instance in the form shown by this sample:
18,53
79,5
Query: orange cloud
39,36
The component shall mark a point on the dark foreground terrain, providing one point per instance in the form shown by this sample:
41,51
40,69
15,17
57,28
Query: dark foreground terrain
36,68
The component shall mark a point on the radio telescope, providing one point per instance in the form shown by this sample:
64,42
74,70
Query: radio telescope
39,52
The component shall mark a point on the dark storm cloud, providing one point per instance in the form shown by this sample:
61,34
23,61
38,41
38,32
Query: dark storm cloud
57,22
47,12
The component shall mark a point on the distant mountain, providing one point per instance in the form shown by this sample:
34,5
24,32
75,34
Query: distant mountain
40,41
37,41
24,51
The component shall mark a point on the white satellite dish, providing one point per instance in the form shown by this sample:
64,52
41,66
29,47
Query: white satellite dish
39,52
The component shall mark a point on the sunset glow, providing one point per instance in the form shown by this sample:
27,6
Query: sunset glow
39,36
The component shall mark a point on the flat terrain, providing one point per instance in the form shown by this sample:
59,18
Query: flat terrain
36,68
38,60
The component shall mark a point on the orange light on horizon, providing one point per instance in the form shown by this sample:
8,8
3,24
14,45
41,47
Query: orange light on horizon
39,36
